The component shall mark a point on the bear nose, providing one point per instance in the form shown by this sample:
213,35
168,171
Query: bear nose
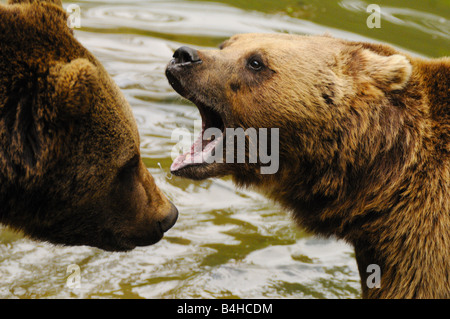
185,55
170,219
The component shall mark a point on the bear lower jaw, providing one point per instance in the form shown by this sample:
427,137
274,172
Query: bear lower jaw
201,153
200,172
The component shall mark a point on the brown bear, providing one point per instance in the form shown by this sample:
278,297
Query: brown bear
363,133
70,165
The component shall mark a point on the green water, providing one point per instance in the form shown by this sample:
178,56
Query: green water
228,243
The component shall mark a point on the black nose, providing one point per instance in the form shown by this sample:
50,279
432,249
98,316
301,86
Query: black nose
186,55
170,219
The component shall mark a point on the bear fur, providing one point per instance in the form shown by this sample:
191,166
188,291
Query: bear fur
363,144
70,166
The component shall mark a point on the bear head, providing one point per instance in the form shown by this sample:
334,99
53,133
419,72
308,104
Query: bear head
332,104
70,165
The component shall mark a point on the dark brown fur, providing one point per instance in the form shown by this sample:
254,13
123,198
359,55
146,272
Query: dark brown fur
70,170
364,146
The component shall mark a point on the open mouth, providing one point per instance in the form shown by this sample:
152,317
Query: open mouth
203,150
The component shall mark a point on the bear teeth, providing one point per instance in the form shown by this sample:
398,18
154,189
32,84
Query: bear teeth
198,154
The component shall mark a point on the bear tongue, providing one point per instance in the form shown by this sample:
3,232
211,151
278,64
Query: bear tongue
200,151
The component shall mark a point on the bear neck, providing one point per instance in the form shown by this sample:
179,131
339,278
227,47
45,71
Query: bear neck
407,238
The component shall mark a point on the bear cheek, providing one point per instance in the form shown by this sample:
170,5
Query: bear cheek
248,108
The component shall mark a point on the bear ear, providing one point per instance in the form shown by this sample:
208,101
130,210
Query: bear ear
75,84
57,2
386,72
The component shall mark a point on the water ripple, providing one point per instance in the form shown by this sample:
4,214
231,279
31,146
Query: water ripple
432,24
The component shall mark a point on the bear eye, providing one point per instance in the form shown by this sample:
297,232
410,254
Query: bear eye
255,64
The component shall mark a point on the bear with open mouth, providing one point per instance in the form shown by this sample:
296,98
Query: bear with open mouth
363,154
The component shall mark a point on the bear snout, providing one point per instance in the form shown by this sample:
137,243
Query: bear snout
184,69
185,56
170,219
